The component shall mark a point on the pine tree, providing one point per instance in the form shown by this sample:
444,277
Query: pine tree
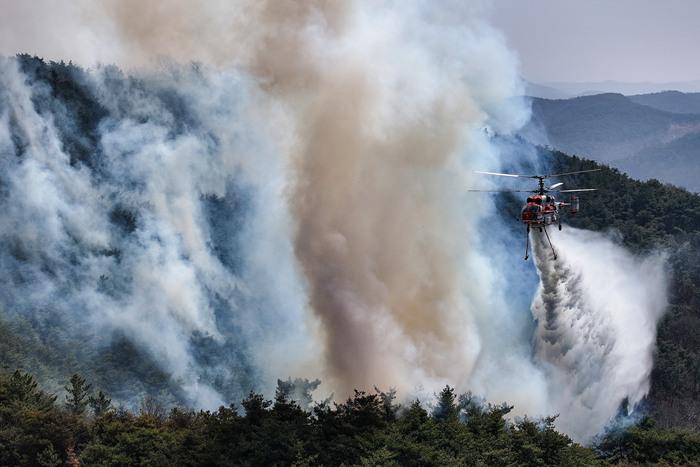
100,403
22,389
77,397
48,458
446,408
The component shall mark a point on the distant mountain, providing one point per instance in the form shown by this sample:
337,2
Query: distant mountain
670,101
599,87
641,139
546,92
677,161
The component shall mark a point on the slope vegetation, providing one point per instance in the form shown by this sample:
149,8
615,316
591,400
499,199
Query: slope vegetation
651,216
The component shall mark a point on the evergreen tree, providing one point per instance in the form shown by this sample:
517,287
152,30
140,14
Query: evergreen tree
388,402
21,390
77,397
100,403
446,408
48,458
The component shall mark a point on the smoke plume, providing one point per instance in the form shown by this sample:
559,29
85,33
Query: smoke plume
378,190
386,107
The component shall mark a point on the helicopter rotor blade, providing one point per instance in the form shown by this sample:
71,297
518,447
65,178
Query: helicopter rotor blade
500,191
505,175
572,173
537,176
580,189
555,186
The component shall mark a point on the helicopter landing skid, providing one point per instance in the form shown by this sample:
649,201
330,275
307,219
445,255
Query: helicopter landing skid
550,243
527,242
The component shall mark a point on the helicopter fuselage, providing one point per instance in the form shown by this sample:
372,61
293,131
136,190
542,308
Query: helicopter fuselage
540,210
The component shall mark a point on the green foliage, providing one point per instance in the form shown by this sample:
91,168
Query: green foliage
366,429
646,445
31,426
48,458
652,217
446,408
20,390
77,398
100,403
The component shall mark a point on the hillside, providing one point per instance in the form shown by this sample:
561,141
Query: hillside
620,131
676,161
651,216
670,101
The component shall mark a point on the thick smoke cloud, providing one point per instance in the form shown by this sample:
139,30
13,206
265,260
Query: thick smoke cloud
152,235
596,308
378,193
386,108
295,205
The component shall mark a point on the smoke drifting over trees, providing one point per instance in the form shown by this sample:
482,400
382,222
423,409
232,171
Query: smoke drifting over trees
293,206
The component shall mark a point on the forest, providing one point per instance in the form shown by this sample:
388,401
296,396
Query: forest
371,429
650,216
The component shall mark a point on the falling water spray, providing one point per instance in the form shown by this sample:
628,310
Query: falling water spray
596,308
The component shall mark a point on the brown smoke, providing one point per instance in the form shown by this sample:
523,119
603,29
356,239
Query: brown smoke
374,192
373,204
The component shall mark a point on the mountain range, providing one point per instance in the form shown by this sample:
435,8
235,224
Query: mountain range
646,135
563,89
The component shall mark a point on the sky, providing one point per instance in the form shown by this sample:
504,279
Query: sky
556,40
598,40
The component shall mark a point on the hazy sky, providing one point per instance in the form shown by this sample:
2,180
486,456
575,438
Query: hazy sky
557,40
596,40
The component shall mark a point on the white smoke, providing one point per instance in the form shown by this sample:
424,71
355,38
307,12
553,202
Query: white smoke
161,284
596,308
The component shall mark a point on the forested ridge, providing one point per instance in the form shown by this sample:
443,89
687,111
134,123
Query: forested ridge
84,428
653,217
48,418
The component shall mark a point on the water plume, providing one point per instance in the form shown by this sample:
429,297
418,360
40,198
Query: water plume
596,308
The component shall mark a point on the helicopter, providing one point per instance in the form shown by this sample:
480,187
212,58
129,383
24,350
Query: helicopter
541,208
